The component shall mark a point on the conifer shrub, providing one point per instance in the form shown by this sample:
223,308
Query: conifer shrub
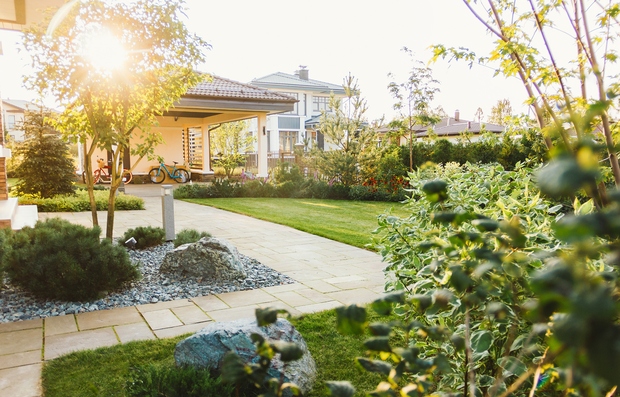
164,380
187,236
146,236
59,260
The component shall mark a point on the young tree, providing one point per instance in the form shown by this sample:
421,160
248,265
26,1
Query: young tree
478,115
115,66
501,112
414,97
527,48
46,167
231,141
345,126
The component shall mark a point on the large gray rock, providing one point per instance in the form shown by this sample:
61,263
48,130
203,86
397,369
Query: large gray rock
208,257
207,348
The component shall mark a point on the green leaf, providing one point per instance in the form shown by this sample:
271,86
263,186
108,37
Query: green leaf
485,225
436,191
233,368
458,341
350,319
383,305
459,280
268,315
481,341
378,344
340,388
292,387
289,351
374,366
513,366
424,301
408,354
380,329
563,177
257,338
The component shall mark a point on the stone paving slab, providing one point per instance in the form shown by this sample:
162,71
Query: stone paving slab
21,381
328,274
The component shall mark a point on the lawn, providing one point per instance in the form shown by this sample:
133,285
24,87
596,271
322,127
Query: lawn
349,222
105,371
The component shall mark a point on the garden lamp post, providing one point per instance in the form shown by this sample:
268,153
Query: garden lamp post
167,211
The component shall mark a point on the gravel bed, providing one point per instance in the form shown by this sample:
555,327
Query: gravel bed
16,304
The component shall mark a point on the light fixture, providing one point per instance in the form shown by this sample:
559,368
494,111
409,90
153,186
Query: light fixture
166,190
264,130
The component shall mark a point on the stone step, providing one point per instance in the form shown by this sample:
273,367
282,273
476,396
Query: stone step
25,215
7,211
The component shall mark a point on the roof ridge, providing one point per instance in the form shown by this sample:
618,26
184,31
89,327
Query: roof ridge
264,90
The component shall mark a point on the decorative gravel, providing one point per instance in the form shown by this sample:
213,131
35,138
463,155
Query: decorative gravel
16,304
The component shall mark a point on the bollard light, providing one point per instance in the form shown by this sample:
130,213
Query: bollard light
167,210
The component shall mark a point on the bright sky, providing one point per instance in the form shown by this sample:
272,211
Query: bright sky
332,38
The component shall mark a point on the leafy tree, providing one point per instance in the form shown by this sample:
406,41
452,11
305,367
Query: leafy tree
231,141
46,167
478,115
115,67
414,97
525,49
345,126
501,112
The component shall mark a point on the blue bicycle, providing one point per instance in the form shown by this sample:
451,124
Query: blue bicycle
158,175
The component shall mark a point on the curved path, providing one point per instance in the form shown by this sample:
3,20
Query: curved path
328,274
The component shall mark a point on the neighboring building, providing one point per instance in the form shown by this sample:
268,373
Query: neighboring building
13,115
287,129
451,128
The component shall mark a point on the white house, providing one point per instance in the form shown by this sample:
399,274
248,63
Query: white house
13,115
286,129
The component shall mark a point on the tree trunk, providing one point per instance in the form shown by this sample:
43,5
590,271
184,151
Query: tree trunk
110,220
90,183
410,150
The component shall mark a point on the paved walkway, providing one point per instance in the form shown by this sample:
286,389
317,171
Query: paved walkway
328,274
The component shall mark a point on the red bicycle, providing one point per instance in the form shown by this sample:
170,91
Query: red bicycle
103,174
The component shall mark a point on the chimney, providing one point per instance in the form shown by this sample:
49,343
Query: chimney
457,115
303,74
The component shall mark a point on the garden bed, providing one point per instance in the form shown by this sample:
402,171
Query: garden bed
81,203
154,286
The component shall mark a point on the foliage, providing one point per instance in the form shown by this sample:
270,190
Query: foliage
162,380
113,106
46,168
499,290
501,112
59,260
3,248
524,48
187,236
146,236
80,202
231,141
234,370
345,126
413,101
507,149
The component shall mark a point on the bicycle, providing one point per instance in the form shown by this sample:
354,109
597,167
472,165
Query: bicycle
158,175
101,176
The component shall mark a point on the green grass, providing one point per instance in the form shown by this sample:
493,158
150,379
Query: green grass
103,372
349,222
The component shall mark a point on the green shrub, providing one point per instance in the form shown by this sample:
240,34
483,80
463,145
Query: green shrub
46,167
146,236
3,249
186,236
162,380
80,202
191,191
59,260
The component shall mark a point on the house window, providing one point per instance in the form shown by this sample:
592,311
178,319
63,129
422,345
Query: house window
320,103
294,95
288,139
11,122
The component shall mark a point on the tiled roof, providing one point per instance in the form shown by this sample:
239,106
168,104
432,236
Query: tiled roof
18,103
223,88
457,127
284,80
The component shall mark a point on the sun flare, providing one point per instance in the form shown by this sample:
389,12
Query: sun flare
104,51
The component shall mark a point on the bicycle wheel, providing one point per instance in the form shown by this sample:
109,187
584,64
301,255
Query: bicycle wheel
181,176
127,176
157,175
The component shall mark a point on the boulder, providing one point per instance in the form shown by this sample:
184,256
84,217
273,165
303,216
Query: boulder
209,257
207,348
